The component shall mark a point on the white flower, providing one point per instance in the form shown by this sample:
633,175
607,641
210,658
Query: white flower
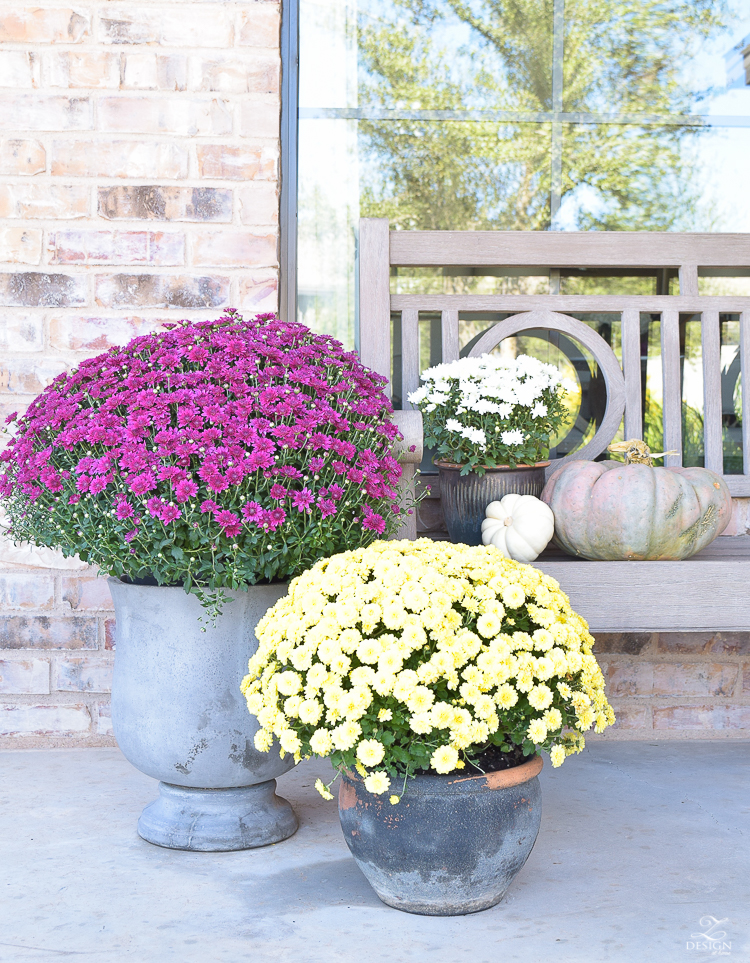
512,437
539,410
476,435
452,425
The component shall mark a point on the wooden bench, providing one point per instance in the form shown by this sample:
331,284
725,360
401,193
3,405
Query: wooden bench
707,592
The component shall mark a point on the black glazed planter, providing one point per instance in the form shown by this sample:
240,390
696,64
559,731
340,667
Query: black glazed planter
464,498
452,845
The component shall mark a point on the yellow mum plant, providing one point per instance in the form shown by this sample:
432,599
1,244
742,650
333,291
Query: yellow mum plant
413,656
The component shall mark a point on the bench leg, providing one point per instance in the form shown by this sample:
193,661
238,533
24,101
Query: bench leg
408,527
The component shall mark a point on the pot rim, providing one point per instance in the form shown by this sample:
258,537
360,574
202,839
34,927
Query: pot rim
452,466
244,588
432,784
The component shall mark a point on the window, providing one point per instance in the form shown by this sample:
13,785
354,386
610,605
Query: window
513,114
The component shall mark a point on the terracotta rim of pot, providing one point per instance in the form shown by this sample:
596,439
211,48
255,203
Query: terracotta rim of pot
504,779
441,463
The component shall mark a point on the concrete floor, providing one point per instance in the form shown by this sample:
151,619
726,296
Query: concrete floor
639,843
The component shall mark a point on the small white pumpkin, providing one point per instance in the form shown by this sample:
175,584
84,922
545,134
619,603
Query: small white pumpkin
521,526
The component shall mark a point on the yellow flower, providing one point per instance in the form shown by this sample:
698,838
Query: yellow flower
414,597
289,741
390,662
368,651
317,675
370,752
537,731
291,706
377,783
321,742
385,715
345,735
288,683
383,684
263,740
310,712
444,759
506,696
421,723
488,625
394,800
552,719
540,696
441,715
557,756
405,684
420,699
323,789
349,640
340,664
363,675
513,596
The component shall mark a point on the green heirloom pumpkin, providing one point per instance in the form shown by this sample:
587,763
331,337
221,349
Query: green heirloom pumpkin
607,510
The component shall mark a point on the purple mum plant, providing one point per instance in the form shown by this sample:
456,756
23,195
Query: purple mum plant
217,454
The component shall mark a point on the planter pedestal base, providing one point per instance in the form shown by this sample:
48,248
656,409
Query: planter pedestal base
217,820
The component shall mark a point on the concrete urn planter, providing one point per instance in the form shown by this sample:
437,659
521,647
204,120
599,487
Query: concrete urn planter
454,843
178,715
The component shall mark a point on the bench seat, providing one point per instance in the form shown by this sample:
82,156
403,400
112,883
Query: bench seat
709,591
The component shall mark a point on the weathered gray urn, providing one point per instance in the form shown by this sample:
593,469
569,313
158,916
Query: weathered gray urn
178,715
452,846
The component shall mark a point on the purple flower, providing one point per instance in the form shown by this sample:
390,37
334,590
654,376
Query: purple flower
209,506
170,513
373,521
275,518
251,511
145,482
98,484
229,522
327,507
185,490
278,492
123,509
303,500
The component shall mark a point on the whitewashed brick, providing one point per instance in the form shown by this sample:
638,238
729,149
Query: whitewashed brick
185,118
21,332
259,203
41,720
82,68
19,245
103,719
28,677
16,69
25,157
150,71
84,673
181,25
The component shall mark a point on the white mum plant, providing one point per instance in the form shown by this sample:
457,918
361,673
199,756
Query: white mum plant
484,412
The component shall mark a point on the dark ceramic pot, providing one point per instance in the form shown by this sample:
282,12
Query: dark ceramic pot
452,845
464,498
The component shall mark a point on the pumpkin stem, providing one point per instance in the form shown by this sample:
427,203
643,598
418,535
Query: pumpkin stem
637,452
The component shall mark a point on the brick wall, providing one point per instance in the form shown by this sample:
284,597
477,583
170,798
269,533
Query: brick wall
667,685
138,182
